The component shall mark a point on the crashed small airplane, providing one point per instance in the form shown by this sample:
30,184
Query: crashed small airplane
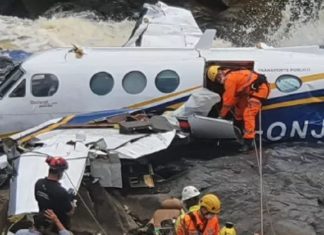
72,82
94,147
57,83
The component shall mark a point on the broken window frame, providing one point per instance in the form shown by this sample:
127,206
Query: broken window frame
11,79
20,87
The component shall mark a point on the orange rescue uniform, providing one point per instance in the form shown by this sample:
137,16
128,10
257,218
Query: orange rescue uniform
198,225
246,102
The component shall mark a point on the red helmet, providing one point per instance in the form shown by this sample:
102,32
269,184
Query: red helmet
57,163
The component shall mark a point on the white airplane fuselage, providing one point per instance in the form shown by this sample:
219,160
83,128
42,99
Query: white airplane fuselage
55,83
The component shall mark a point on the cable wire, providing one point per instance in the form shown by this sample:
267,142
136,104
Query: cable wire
86,206
260,172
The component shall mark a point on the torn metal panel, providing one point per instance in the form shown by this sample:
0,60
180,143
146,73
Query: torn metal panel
34,129
108,171
146,145
3,161
111,136
32,166
212,128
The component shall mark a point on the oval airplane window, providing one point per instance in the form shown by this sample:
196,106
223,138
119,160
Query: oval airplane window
43,85
101,83
134,82
288,83
167,81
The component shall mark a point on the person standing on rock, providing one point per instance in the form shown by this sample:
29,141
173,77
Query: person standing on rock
203,221
190,200
51,195
244,91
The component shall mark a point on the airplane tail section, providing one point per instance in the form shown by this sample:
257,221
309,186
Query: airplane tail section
165,26
206,40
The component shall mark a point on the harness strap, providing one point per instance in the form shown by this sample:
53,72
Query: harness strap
194,220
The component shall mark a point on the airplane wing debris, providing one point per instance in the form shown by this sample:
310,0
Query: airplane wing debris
212,128
177,24
32,166
146,145
93,140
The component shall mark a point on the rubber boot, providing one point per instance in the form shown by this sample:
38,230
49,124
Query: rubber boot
247,146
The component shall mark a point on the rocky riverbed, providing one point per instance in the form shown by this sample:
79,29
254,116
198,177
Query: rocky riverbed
293,176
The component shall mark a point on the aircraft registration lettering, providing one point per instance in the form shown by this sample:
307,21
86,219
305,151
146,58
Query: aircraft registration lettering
297,130
43,103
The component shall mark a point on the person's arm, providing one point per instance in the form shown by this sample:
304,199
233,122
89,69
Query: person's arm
49,214
181,229
67,205
228,97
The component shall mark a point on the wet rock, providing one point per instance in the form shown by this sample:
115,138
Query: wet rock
144,206
109,212
4,197
82,219
35,8
293,228
293,190
247,22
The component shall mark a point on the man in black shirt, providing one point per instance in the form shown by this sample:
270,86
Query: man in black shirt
51,195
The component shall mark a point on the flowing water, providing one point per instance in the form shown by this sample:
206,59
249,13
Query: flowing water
86,28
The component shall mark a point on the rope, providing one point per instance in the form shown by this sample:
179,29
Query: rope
263,194
86,206
260,171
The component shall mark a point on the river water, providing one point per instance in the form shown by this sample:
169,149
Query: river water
86,28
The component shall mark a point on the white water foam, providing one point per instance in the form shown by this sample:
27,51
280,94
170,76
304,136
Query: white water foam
86,30
40,34
300,33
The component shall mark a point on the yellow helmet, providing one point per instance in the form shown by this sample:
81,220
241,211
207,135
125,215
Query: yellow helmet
228,229
211,202
212,72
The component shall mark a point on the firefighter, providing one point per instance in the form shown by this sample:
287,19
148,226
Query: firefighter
49,193
244,92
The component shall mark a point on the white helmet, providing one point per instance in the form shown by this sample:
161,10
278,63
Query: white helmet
189,192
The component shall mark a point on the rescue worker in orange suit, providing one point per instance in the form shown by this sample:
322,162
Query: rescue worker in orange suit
203,221
244,91
49,193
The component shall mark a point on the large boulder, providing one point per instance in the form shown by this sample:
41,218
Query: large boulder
285,227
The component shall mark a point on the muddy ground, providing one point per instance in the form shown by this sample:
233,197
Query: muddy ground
293,176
